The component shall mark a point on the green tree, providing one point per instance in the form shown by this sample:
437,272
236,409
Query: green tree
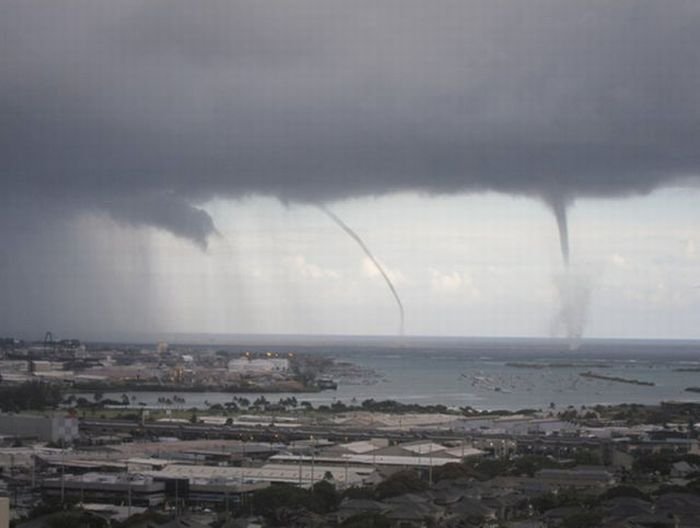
399,483
587,457
359,492
261,402
544,502
488,468
531,464
76,519
654,463
623,491
34,395
453,470
366,520
693,486
267,501
582,520
325,497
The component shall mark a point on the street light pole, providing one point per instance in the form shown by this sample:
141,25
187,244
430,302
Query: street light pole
128,483
300,467
313,455
63,473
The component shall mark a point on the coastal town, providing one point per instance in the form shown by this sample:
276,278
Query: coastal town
70,456
349,264
110,368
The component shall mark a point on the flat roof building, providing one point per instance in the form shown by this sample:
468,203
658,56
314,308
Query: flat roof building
46,428
304,474
110,488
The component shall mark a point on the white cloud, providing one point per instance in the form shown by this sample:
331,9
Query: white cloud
371,271
618,260
663,295
453,282
307,270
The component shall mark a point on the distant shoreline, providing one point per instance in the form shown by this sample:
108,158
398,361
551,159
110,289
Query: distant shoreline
176,388
617,379
539,366
410,341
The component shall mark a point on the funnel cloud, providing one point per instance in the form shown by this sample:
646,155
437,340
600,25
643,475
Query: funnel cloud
573,286
375,262
559,209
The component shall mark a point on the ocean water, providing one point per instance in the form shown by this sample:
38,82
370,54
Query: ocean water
484,373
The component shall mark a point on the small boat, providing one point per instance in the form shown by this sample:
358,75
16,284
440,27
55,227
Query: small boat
326,384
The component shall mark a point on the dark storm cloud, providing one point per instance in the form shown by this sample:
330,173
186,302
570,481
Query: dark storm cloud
147,109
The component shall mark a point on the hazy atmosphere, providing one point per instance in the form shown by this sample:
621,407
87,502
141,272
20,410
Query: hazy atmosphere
514,168
349,264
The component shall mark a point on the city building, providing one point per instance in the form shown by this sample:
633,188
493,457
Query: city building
4,512
58,428
110,488
248,365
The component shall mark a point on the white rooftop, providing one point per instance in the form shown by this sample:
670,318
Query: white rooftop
422,447
362,446
462,452
293,474
367,460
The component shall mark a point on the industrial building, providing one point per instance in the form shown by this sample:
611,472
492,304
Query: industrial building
57,428
4,512
107,488
248,365
304,474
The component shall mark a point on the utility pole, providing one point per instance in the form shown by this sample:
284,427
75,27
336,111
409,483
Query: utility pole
128,483
430,469
312,469
313,455
63,473
300,468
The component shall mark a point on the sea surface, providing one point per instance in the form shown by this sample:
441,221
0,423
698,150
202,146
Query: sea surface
485,373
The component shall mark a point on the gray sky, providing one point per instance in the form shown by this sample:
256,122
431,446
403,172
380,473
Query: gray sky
134,129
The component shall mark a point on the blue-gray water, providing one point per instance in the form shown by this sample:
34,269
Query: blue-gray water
475,372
